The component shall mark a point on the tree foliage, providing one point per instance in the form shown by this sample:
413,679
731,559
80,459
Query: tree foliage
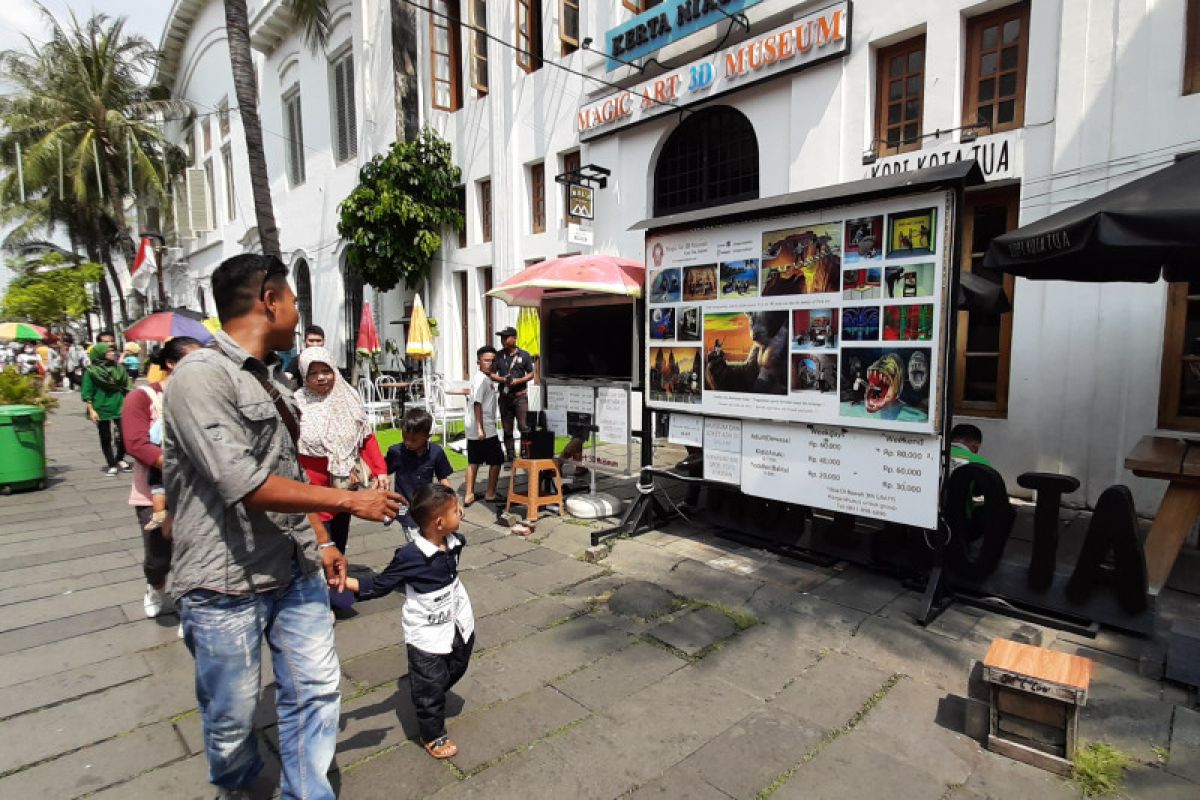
51,294
394,218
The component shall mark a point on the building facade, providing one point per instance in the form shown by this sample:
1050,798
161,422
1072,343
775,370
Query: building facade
1059,100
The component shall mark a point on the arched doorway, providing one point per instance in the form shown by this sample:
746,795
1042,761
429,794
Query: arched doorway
352,310
709,160
304,299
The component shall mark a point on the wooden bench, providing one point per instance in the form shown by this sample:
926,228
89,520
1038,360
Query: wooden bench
1178,462
1035,698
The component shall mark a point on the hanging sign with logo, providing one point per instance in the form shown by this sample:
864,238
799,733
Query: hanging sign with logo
810,40
663,24
581,200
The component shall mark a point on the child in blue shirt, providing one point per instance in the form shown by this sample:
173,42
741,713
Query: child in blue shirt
416,462
439,625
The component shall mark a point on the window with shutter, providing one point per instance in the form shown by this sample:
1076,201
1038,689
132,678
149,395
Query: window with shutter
485,209
997,52
345,122
537,197
181,214
568,26
210,181
293,125
570,163
198,202
227,168
445,61
479,42
529,35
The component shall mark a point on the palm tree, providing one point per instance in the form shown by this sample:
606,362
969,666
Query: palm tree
313,16
83,103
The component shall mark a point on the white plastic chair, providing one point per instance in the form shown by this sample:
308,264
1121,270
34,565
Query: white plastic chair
442,412
376,409
388,393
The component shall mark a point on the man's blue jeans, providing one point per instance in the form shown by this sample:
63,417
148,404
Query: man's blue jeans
224,634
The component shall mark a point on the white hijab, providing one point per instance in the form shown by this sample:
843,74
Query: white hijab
334,425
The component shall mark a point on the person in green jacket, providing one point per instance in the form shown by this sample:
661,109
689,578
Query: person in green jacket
105,384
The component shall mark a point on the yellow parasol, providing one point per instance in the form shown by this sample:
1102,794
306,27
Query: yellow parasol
529,331
420,341
420,336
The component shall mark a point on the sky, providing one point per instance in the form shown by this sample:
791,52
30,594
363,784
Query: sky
21,18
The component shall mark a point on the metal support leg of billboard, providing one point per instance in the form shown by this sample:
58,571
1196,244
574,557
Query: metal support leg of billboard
935,598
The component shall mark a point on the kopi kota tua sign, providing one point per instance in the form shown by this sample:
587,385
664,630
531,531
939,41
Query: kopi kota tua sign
810,40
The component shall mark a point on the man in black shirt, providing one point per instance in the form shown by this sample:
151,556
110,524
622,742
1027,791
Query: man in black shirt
514,369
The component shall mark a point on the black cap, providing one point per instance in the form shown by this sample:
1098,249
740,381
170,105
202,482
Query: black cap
509,331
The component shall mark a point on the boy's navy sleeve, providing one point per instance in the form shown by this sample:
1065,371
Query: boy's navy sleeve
391,579
392,459
441,465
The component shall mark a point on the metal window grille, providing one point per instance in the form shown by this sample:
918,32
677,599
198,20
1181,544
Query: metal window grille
710,159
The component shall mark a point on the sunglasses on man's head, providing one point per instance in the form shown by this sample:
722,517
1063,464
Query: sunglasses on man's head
277,268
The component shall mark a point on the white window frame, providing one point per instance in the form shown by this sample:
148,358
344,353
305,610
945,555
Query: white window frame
344,114
293,127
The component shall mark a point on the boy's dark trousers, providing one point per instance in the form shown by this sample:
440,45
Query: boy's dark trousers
430,676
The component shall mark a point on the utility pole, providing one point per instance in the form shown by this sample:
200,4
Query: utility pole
160,254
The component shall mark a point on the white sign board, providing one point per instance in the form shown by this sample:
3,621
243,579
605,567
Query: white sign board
686,430
570,399
723,450
612,413
885,476
831,317
556,420
999,157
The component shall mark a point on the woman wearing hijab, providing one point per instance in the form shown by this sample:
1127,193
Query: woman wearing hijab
105,384
334,433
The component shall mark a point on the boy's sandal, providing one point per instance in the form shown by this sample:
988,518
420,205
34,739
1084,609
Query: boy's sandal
469,503
441,747
520,529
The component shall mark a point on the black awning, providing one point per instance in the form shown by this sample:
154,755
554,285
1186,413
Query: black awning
965,173
1147,229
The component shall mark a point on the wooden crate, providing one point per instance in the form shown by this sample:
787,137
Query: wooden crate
1035,697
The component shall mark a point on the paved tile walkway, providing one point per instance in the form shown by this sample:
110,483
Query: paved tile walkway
768,678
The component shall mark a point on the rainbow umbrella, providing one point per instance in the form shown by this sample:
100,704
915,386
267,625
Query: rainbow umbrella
23,331
165,325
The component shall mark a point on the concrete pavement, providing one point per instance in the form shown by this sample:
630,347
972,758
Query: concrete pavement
765,678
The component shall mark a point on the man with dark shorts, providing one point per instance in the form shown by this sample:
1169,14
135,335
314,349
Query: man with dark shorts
251,557
483,446
514,369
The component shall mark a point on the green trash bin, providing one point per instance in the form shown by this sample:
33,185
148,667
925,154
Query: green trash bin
22,448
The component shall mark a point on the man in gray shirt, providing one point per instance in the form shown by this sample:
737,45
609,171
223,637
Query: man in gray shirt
251,557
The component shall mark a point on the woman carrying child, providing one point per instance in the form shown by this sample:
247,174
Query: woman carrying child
334,434
140,419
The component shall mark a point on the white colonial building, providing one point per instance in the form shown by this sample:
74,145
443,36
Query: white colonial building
1060,99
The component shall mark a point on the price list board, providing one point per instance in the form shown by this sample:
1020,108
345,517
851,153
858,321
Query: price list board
881,475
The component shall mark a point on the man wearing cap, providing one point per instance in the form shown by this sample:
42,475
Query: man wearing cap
514,369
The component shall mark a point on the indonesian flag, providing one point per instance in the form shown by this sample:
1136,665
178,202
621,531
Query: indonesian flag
144,266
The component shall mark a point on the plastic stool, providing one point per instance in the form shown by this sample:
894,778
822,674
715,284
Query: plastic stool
533,499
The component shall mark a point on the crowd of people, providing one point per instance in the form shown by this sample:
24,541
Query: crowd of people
246,472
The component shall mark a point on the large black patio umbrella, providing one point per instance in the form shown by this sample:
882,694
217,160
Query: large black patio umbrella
1140,232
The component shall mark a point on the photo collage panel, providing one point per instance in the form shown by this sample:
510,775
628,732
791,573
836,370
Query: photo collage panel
839,316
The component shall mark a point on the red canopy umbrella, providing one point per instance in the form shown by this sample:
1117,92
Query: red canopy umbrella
368,337
587,273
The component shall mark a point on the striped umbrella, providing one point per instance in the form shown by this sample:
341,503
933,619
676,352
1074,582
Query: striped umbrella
23,331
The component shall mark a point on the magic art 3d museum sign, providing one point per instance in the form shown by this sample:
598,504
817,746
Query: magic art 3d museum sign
810,40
